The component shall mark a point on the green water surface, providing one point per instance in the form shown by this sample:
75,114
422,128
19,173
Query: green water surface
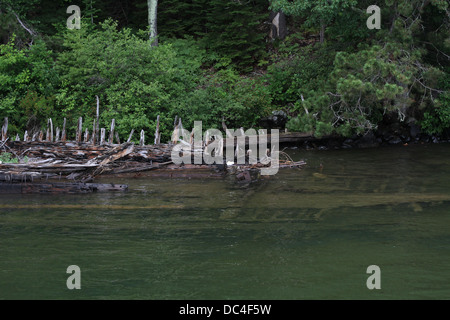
301,234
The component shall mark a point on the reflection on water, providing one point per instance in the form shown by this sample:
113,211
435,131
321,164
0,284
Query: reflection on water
302,234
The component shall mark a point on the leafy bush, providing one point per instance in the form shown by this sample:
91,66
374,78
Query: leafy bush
137,82
437,118
27,84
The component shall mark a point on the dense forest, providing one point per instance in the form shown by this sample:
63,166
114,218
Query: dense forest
317,62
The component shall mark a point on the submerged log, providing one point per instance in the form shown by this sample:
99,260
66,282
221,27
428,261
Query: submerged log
57,187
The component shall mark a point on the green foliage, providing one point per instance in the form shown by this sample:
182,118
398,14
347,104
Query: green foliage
6,157
241,102
374,79
436,121
300,71
228,29
437,118
317,13
136,82
201,69
27,83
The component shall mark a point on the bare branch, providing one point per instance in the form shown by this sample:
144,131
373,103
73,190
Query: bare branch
31,32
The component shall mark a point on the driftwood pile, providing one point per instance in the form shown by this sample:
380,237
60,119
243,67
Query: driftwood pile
54,158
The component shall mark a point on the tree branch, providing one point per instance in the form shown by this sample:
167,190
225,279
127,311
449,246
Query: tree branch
31,32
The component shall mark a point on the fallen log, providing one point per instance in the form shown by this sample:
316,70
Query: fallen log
55,187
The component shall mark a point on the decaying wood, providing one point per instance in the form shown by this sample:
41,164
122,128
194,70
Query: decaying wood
50,130
63,135
102,136
111,131
5,129
83,160
113,154
96,132
79,130
142,140
56,187
86,136
131,135
157,134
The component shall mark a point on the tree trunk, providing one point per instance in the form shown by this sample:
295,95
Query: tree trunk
152,21
322,31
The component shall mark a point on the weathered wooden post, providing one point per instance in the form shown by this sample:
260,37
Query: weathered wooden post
175,133
49,136
111,132
17,137
180,127
86,135
175,122
142,140
79,130
41,136
5,129
58,131
157,134
51,130
63,134
25,136
102,136
131,134
97,122
117,137
191,140
94,134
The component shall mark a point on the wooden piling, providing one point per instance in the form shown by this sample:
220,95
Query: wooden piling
49,136
86,135
94,140
131,134
5,129
142,140
117,137
111,132
97,122
63,134
79,130
58,131
157,134
102,136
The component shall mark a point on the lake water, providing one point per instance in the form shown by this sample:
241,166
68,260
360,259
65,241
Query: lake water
307,233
